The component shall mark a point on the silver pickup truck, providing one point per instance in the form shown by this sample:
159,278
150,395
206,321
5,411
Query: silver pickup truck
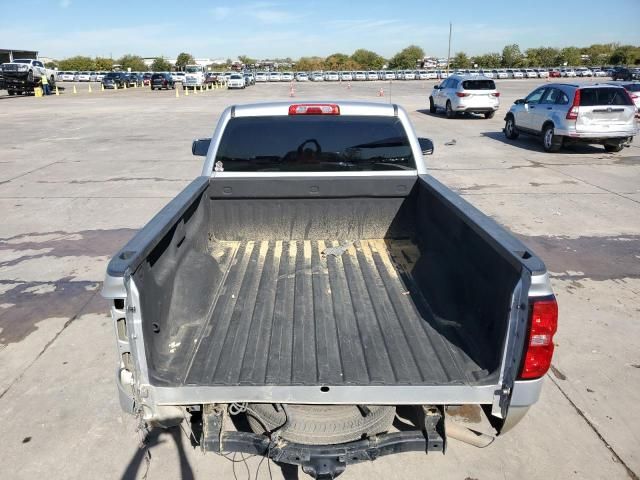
316,297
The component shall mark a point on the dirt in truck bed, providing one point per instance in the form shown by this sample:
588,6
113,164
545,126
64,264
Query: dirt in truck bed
326,312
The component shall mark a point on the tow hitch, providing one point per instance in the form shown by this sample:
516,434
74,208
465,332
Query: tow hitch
323,461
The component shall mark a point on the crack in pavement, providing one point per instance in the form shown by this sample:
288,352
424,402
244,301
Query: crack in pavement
630,473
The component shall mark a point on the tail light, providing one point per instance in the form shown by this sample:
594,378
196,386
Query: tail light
543,323
314,109
462,94
495,94
572,114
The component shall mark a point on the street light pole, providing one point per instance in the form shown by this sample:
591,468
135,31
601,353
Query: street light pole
449,51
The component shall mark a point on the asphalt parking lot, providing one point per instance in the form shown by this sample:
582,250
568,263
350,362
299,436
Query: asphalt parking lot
79,174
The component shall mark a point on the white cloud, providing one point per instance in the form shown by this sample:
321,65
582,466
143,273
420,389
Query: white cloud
65,3
266,13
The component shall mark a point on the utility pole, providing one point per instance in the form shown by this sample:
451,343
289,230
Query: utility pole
449,51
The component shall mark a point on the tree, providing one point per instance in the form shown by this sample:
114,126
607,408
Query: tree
407,58
369,60
103,64
336,61
309,64
460,60
488,60
134,62
160,64
77,63
570,56
246,60
625,55
185,59
51,64
511,56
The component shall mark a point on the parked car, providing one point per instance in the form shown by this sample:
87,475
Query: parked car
332,77
66,76
554,73
346,76
442,74
408,75
262,77
100,76
275,77
465,94
114,80
236,80
633,88
249,79
178,77
566,113
626,74
541,72
486,73
500,73
135,79
317,77
389,75
302,77
597,72
162,80
360,76
325,286
568,73
529,73
84,77
286,77
584,72
514,73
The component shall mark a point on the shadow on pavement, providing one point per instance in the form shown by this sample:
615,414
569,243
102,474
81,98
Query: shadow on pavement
143,454
534,144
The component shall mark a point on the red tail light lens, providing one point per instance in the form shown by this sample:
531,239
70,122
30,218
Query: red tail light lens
314,109
572,114
462,94
496,94
543,323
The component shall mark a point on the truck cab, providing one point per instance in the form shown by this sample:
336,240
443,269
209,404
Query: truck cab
194,76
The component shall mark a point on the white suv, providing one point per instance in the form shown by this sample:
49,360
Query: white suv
562,113
465,93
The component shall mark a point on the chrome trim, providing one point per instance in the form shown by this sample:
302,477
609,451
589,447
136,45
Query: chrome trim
113,287
135,333
526,392
540,286
371,395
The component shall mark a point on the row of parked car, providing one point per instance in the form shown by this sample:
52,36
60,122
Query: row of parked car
560,113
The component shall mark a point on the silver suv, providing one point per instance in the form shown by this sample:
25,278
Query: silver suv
465,93
567,113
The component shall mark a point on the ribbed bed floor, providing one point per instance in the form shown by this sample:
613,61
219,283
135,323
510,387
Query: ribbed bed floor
295,313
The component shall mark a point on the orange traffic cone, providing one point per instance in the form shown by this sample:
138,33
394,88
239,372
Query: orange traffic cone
381,92
292,92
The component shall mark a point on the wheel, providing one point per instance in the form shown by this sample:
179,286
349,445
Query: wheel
320,424
30,76
449,111
52,82
550,142
489,115
432,106
613,148
510,130
152,89
11,93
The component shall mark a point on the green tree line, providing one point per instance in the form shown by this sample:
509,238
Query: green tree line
408,58
512,56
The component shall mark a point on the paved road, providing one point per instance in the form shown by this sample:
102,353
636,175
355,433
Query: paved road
79,174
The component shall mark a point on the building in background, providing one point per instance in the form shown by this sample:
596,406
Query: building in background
9,54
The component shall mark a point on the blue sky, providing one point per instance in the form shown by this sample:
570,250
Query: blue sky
222,29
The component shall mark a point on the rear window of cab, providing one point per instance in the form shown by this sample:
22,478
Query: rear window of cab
602,96
479,85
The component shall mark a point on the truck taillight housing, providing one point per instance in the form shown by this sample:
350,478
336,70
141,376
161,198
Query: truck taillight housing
543,323
462,94
572,114
314,109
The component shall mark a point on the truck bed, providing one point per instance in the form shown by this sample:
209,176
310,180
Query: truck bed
325,312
